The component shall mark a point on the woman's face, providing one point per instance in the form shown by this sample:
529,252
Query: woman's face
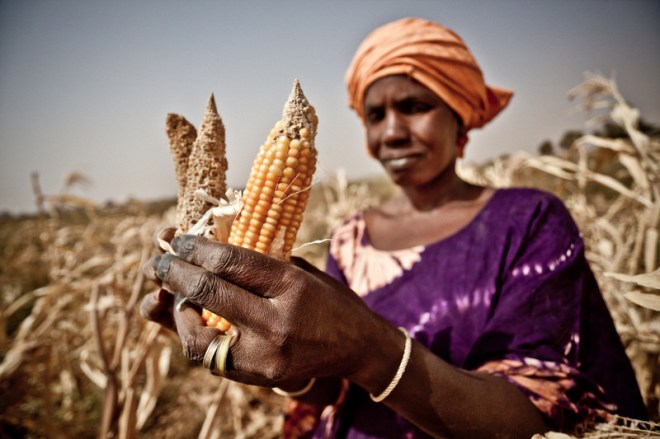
410,130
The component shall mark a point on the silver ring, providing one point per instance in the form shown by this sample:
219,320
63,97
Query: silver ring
179,301
210,352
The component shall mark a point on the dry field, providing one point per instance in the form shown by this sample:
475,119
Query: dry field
76,359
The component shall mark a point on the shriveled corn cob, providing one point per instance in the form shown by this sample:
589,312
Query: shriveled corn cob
181,135
200,164
206,168
277,190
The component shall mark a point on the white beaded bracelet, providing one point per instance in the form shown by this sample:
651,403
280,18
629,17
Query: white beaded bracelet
399,373
295,393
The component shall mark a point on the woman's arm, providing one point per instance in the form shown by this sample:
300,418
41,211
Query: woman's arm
444,400
294,322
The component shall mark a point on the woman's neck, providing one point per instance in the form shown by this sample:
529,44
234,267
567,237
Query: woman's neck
446,188
424,215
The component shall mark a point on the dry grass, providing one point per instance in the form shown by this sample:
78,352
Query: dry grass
76,357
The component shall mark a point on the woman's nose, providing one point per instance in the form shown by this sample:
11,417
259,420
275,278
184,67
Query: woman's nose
396,130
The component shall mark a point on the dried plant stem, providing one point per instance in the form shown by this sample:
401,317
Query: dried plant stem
111,391
39,198
206,432
120,402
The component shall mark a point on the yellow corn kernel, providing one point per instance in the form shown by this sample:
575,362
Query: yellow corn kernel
215,320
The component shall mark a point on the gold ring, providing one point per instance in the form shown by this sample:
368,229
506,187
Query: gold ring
223,353
210,352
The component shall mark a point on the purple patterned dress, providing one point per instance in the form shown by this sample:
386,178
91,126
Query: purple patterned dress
509,294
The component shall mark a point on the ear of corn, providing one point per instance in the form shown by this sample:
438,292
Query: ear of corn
277,190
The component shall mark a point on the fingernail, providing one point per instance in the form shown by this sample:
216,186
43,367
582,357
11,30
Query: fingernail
183,244
163,233
163,265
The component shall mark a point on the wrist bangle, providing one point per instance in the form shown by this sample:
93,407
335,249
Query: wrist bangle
399,373
300,392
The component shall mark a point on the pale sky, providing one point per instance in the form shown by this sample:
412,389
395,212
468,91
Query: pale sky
85,85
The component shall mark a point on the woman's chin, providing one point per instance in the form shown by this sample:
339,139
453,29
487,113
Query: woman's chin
404,179
400,174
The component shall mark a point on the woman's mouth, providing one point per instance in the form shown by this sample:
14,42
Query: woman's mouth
400,163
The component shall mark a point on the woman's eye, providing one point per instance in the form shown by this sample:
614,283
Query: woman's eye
414,107
375,115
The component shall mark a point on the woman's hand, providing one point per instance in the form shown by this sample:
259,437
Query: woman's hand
292,321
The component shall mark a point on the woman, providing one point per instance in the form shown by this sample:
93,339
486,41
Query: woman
502,327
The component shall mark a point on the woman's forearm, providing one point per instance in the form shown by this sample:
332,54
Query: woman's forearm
449,402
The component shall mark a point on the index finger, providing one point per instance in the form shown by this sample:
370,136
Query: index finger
245,268
208,290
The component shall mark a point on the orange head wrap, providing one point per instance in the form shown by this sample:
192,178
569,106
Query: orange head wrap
435,57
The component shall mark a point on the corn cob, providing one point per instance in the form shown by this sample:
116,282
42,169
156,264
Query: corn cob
277,190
